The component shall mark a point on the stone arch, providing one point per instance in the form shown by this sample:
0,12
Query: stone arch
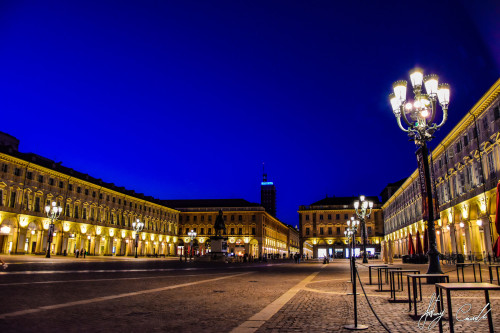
9,221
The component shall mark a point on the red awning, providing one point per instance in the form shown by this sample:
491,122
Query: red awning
426,241
419,244
411,247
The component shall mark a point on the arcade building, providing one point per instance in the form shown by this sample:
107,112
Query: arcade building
250,229
322,226
96,216
466,169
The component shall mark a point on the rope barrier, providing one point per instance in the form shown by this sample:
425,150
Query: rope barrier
369,304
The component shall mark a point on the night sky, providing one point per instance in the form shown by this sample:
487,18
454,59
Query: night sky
187,99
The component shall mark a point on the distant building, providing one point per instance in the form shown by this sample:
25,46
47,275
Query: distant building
390,189
322,225
249,228
268,195
97,216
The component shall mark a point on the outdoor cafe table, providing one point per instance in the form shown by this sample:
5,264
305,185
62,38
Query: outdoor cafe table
462,265
414,278
463,286
370,270
392,281
490,268
379,275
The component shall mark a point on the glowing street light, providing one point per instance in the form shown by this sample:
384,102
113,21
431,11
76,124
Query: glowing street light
363,210
419,117
53,212
192,236
137,226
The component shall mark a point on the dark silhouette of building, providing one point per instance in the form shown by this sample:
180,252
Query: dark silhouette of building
268,195
390,189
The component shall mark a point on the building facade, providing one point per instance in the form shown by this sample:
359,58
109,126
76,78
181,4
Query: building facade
249,228
268,195
96,216
466,169
322,225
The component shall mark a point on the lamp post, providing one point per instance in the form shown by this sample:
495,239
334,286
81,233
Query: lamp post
419,117
192,236
53,213
363,210
137,226
352,228
348,234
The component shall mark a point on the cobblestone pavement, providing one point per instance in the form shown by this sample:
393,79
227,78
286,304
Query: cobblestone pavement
157,295
324,306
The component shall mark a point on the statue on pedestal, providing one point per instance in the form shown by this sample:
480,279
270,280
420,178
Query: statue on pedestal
219,225
218,242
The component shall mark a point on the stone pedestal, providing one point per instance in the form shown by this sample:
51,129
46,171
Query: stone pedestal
218,248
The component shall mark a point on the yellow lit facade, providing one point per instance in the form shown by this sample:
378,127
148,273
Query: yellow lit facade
322,226
96,216
249,228
466,167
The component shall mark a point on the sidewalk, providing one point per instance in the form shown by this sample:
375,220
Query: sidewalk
25,258
324,306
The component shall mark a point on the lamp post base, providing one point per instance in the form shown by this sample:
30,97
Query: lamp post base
354,327
48,254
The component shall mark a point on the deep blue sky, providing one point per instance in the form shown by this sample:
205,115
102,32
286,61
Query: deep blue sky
186,99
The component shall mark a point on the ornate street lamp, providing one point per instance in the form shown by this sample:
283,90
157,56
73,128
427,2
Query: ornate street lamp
137,226
192,235
419,116
352,228
363,210
53,213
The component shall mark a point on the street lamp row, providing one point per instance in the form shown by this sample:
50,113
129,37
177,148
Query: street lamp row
54,212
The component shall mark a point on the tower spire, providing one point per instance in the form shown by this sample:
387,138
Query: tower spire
264,174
